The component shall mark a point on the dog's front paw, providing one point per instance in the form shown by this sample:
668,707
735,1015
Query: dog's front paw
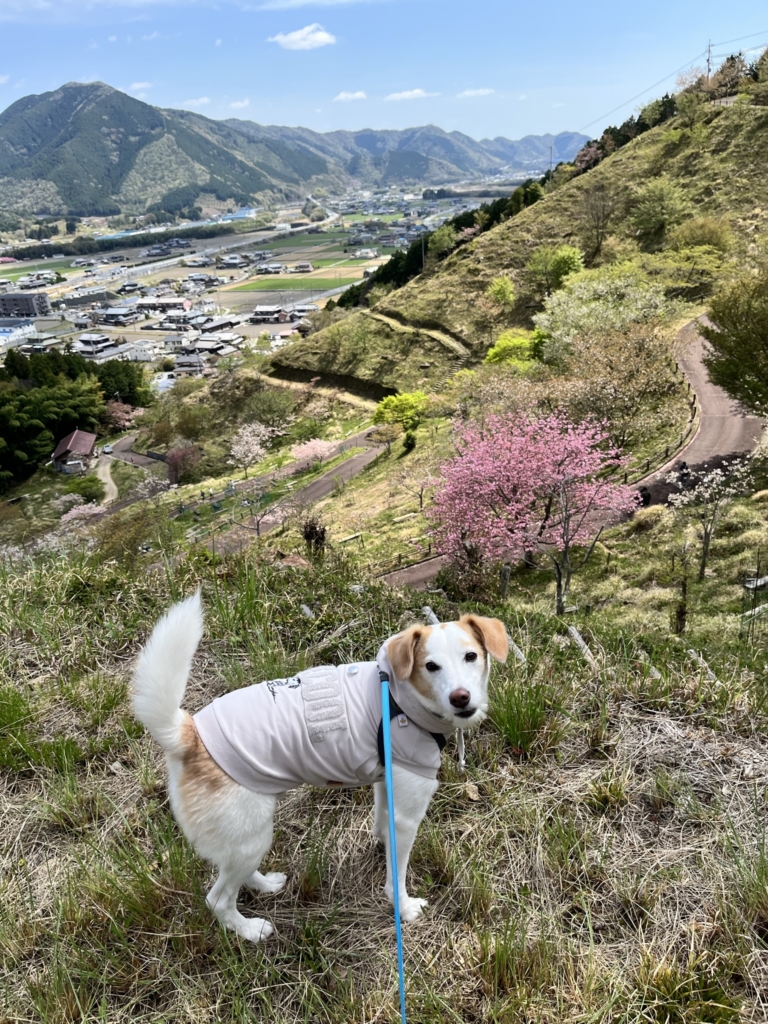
256,929
411,909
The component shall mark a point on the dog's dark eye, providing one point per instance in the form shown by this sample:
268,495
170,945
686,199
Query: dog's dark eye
470,656
432,667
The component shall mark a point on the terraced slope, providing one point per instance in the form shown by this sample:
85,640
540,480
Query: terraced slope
718,166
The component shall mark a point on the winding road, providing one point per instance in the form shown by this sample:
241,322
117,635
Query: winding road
725,430
104,473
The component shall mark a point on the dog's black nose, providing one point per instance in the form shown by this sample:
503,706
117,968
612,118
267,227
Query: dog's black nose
460,698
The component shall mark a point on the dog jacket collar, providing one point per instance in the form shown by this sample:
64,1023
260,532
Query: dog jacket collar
395,711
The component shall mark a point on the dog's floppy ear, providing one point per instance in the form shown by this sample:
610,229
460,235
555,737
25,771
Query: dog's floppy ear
490,632
402,649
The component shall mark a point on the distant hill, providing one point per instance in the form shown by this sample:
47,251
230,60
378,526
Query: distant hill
409,339
90,149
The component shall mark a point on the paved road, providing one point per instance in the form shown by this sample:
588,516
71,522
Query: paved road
241,535
122,450
104,473
724,430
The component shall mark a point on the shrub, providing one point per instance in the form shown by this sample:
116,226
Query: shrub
551,264
511,347
409,441
501,290
88,487
703,231
406,409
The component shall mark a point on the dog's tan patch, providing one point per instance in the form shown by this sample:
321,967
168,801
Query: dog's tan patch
491,634
200,778
419,677
407,655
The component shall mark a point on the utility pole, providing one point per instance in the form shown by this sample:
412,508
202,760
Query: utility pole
709,59
551,151
422,251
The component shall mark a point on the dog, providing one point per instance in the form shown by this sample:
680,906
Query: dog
229,764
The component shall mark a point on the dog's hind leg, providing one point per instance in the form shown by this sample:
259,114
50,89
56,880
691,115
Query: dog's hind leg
273,881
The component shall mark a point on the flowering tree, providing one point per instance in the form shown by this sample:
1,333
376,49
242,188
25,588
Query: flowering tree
118,416
519,486
707,495
249,445
316,450
181,463
82,512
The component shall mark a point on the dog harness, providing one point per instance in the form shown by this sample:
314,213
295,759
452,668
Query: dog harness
323,727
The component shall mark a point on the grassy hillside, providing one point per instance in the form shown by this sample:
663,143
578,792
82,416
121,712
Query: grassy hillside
716,166
602,858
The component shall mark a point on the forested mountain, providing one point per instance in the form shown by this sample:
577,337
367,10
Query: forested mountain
90,149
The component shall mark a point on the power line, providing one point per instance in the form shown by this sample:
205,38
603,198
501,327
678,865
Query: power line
725,42
655,84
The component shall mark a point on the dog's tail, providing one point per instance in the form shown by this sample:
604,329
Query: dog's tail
163,668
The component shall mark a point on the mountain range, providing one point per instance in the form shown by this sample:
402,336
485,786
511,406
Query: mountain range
89,149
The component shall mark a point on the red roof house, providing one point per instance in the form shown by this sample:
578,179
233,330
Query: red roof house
74,451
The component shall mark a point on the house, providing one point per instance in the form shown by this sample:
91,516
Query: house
176,342
303,268
116,316
223,323
189,364
74,452
83,321
13,331
99,348
265,315
163,304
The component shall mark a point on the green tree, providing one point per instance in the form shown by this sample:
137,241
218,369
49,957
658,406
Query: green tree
738,340
501,290
407,409
658,207
441,241
16,365
551,264
124,381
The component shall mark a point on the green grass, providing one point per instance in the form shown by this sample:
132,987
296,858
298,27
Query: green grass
293,282
558,907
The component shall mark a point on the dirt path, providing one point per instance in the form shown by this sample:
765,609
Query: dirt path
724,430
104,473
444,339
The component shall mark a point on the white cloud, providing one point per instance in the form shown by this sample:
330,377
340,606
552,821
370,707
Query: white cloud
140,86
410,94
475,92
346,97
308,38
4,79
199,102
218,42
240,104
112,39
152,35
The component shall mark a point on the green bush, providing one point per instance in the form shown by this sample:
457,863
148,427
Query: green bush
90,488
511,347
407,409
409,441
551,264
703,231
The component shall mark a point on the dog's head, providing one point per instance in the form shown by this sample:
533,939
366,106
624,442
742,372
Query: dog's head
448,665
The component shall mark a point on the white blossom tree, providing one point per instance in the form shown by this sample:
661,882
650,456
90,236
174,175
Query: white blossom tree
249,445
707,495
316,450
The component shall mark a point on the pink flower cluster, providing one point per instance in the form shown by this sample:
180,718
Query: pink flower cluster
519,484
316,450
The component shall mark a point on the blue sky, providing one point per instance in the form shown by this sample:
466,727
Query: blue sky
492,67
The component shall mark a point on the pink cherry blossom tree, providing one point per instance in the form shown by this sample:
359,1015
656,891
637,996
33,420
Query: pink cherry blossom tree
316,450
249,445
519,486
82,512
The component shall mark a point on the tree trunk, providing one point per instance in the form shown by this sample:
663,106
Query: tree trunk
705,543
559,595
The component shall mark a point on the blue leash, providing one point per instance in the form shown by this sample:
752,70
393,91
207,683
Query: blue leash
392,835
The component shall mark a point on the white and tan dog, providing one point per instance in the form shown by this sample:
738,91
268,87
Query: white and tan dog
228,765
